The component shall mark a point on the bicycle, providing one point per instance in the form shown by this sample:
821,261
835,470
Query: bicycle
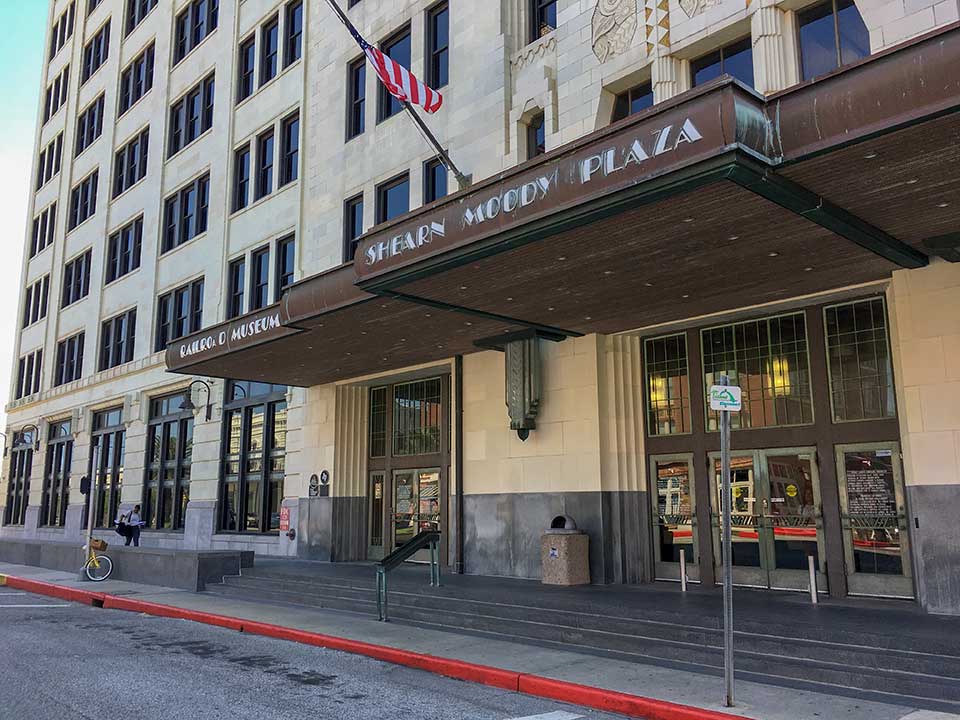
97,567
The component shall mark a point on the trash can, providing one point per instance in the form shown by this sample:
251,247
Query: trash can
565,553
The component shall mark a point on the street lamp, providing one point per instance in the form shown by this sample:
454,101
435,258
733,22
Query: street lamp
36,435
187,403
4,436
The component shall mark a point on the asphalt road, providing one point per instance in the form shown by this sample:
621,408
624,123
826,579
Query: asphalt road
62,661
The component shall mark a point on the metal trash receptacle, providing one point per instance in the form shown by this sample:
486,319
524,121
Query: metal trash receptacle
564,553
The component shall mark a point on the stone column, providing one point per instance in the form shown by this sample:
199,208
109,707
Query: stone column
774,50
669,76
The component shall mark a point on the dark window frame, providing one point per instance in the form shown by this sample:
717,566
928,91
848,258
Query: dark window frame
293,38
95,53
136,79
536,123
18,479
437,57
69,360
83,200
269,50
167,463
356,101
350,206
284,274
179,313
720,56
191,115
387,104
43,230
246,67
108,431
623,102
539,18
56,475
124,248
192,25
36,297
241,177
431,191
89,124
236,287
130,162
136,12
117,340
180,224
289,149
836,6
380,203
76,278
29,374
260,278
265,163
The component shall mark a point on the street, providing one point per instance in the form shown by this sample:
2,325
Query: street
63,661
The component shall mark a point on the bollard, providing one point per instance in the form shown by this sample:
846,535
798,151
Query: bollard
813,579
683,570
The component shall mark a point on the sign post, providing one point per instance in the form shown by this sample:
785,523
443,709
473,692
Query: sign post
726,398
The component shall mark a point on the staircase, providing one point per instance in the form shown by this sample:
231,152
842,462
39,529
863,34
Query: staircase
875,650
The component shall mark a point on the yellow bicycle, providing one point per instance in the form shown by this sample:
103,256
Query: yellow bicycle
97,567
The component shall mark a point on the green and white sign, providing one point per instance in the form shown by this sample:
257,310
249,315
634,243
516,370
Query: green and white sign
725,397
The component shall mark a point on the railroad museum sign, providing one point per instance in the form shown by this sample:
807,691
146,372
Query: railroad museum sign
221,339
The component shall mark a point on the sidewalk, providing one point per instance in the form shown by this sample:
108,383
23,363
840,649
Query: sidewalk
538,665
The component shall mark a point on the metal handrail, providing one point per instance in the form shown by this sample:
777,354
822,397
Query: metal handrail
426,538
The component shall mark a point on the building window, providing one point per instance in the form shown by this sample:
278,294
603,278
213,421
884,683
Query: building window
260,279
536,137
293,28
633,101
89,125
238,284
166,481
191,116
434,180
62,29
769,360
69,366
286,255
264,164
241,177
35,301
193,24
438,46
832,35
378,422
92,5
543,17
41,236
179,313
18,480
253,457
49,163
76,279
417,415
123,250
56,94
137,80
56,475
130,163
107,446
397,48
668,385
858,359
356,96
290,149
352,226
735,60
117,338
393,198
269,50
83,199
185,213
28,374
95,53
136,11
247,63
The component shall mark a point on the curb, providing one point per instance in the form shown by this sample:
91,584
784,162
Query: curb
535,685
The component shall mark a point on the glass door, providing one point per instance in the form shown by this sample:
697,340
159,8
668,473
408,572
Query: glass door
416,506
874,520
749,553
376,521
674,516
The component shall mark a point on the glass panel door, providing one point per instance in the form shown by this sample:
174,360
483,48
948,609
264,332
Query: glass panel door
674,516
416,506
376,519
746,515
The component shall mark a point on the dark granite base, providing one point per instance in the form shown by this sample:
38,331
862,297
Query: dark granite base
332,528
935,534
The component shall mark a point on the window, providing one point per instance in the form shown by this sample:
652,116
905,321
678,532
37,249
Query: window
286,255
768,359
56,94
293,28
260,279
185,213
269,50
396,48
378,422
28,374
246,63
56,475
107,446
253,457
130,163
41,235
191,115
18,480
668,385
434,180
83,199
417,417
831,35
137,79
35,301
543,17
76,279
117,336
166,481
69,366
179,313
393,198
89,125
438,46
352,226
858,359
241,177
136,11
265,164
536,137
290,149
62,30
123,250
735,60
193,24
356,96
238,282
92,5
49,163
632,101
95,53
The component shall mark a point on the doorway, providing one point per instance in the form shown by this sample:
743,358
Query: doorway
674,516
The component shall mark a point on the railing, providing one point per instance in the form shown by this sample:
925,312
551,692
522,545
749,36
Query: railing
427,538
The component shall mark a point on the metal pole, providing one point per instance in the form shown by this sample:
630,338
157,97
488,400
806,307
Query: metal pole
813,579
92,498
683,570
726,502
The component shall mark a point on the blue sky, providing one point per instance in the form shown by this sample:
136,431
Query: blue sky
21,63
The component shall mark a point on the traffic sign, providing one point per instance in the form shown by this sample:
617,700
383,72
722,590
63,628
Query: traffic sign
725,397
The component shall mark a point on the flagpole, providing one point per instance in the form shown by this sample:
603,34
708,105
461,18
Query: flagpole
462,181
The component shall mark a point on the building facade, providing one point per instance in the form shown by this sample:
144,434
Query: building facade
248,304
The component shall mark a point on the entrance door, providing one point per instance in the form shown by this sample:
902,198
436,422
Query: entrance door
376,489
416,506
674,516
776,518
874,519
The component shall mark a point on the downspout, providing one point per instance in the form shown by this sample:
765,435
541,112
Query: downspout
458,393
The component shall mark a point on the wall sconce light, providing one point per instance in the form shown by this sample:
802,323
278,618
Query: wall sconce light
187,403
35,434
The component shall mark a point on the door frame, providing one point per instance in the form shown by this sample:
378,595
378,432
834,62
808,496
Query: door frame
667,570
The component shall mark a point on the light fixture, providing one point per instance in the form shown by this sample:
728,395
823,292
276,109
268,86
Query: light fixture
35,434
733,237
869,156
688,220
943,205
773,254
187,403
807,269
911,181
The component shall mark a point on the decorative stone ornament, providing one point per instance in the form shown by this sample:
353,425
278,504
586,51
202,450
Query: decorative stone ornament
614,25
523,384
695,7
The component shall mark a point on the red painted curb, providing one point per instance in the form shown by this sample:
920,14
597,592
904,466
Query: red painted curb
168,611
58,591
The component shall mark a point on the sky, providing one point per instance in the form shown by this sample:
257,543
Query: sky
21,63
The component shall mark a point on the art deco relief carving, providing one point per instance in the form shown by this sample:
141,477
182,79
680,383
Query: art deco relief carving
614,25
695,7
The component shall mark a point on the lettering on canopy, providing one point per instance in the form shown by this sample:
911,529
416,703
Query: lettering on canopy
230,336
